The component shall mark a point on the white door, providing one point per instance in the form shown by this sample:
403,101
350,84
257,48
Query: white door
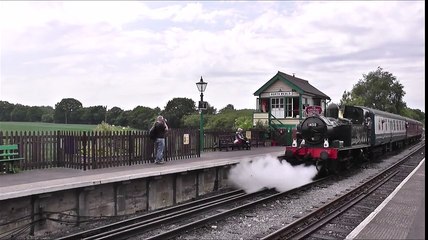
277,107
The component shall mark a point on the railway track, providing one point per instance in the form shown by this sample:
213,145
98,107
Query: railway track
169,222
336,219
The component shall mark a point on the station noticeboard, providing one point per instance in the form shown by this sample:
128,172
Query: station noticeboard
313,110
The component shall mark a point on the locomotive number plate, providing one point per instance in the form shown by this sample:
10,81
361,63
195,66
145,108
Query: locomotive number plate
312,124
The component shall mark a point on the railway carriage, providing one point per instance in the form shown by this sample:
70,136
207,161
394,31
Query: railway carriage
333,142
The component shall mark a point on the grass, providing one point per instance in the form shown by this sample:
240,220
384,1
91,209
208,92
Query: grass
39,126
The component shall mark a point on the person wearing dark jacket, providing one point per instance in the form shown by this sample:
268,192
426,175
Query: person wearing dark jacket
160,128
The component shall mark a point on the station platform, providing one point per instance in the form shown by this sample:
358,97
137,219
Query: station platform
41,181
401,215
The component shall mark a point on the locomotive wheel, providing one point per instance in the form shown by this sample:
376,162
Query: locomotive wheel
281,157
346,165
319,166
322,170
333,167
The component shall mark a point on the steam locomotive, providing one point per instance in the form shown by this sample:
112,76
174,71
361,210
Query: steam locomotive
333,143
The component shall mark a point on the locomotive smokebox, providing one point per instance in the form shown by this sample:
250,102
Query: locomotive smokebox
315,129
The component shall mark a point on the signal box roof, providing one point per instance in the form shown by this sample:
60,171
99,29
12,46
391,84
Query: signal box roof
299,85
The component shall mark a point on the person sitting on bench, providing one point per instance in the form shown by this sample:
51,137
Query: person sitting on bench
240,139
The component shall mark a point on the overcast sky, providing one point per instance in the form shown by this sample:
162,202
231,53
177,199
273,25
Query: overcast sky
143,53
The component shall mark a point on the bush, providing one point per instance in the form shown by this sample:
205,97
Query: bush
105,127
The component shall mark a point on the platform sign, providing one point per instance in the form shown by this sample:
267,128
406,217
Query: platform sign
248,134
313,110
186,139
202,105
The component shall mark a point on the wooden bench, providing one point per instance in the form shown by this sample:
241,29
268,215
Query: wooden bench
227,142
8,156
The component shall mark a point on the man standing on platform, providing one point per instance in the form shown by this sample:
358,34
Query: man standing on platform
160,128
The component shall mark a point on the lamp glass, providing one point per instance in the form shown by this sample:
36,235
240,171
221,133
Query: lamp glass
201,85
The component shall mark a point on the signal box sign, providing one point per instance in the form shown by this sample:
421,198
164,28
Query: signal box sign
313,110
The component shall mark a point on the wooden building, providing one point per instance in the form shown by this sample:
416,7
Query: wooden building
283,101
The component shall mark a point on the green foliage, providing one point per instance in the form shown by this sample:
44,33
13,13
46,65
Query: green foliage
414,114
221,121
6,109
142,117
123,119
379,90
64,110
47,117
113,114
261,126
228,108
105,127
19,113
210,110
176,109
230,119
192,120
244,122
92,115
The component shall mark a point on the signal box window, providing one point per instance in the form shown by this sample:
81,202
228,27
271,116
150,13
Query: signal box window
292,107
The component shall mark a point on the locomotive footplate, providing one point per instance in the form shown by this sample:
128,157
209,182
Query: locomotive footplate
311,153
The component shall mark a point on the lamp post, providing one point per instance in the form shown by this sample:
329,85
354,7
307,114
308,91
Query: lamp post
201,87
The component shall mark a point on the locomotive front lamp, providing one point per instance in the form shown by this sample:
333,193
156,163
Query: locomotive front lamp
202,105
326,145
294,144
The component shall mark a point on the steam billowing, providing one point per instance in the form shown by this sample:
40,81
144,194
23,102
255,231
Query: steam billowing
268,172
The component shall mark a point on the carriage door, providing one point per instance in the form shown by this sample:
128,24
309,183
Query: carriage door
277,107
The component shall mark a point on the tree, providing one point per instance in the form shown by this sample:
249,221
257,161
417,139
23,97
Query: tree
230,120
229,107
47,113
19,113
93,115
142,117
34,114
176,109
65,108
210,109
6,109
123,118
415,114
113,114
379,90
192,121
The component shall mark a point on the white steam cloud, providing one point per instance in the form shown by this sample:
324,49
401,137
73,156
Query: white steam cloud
268,172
